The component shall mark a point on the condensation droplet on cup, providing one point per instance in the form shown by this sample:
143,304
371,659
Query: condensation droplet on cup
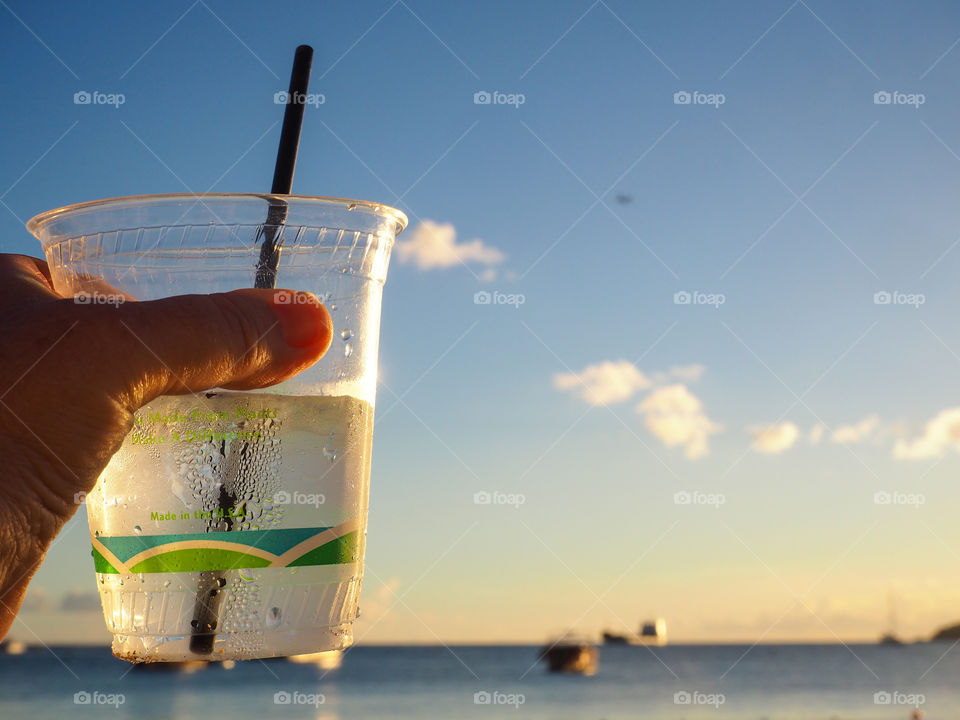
346,334
348,350
273,617
137,530
329,453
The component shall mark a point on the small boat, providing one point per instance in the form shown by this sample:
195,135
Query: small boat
613,638
890,636
654,632
13,647
570,655
325,659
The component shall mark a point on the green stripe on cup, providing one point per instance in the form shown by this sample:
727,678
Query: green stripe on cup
199,560
170,555
342,550
100,563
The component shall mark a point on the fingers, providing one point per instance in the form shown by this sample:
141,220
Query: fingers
23,280
238,340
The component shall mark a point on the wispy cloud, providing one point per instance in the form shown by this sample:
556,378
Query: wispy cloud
774,439
816,434
80,601
432,246
940,434
675,416
857,433
605,383
687,373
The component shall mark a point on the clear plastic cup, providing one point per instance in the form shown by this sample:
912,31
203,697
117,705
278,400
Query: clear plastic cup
232,525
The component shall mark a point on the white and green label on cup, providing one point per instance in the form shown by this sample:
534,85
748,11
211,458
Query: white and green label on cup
244,549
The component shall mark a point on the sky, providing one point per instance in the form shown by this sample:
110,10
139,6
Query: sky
679,300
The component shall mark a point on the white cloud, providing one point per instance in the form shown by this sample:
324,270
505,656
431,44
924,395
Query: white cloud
860,432
942,433
774,439
816,434
675,415
688,373
378,603
605,383
80,601
488,275
431,245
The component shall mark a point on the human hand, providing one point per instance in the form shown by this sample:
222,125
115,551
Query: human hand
73,375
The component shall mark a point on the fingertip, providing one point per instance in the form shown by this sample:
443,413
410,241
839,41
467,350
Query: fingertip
304,321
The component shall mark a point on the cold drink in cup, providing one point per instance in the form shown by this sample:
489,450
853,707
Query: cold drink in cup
231,525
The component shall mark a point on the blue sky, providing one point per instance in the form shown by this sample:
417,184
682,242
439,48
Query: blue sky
796,200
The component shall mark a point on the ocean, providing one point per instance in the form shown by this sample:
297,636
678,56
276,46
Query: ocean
776,682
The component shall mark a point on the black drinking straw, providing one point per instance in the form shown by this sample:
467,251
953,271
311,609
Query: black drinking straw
206,610
286,163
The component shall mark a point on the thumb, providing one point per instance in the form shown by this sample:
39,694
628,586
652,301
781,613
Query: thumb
237,340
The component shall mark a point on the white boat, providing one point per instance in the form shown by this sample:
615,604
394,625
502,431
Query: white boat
654,632
13,647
